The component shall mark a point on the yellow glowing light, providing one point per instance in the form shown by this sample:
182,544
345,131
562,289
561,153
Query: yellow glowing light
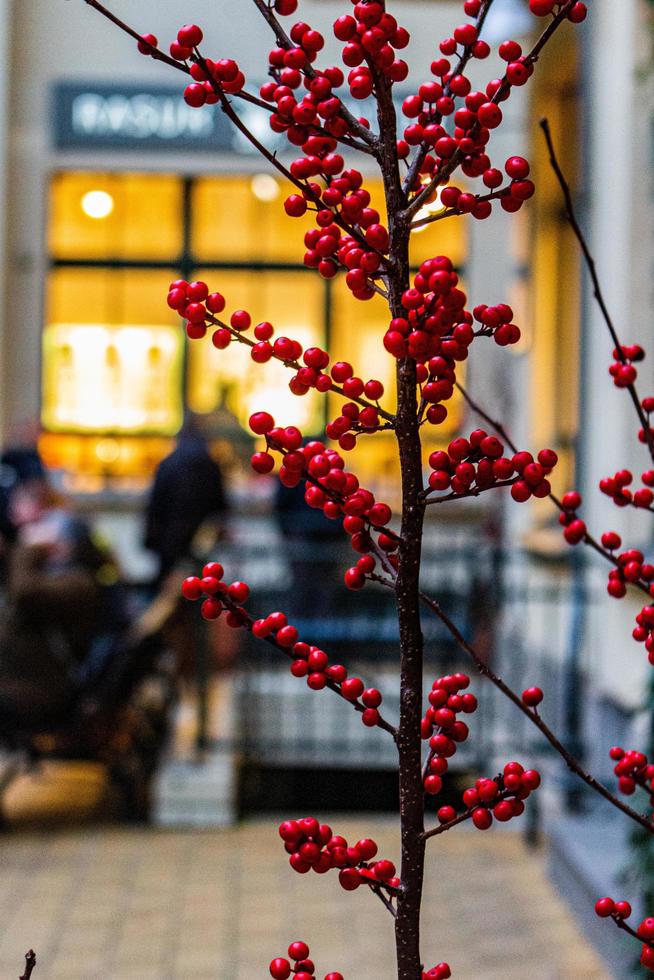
428,211
264,187
111,378
97,204
107,450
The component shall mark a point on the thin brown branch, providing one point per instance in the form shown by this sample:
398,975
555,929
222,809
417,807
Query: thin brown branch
463,816
621,924
155,52
588,538
472,492
382,898
494,424
592,271
455,213
30,963
246,622
295,366
573,764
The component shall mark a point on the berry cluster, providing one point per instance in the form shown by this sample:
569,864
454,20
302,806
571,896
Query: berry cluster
574,529
199,307
302,968
344,201
619,911
616,487
622,369
441,726
643,631
501,798
210,78
372,35
332,489
631,568
312,846
436,322
633,769
477,463
218,595
511,197
306,660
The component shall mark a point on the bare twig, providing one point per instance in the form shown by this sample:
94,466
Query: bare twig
588,538
30,963
592,271
382,898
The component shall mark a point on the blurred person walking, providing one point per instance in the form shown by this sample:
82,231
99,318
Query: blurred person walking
188,490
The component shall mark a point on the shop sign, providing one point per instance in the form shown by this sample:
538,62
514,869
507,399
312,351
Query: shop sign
134,117
148,119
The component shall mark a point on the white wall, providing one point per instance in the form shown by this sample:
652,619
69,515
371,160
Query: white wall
620,229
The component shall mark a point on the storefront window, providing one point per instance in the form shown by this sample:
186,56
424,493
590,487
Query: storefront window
117,371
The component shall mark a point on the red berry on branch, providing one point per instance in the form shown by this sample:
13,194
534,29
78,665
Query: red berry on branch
280,969
482,818
298,951
604,907
148,42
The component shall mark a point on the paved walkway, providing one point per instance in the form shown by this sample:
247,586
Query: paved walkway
137,904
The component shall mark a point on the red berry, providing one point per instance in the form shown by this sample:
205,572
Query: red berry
482,818
261,423
532,696
604,907
298,951
280,969
149,41
189,36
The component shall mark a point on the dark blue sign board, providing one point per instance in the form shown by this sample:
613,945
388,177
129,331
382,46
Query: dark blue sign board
136,117
131,116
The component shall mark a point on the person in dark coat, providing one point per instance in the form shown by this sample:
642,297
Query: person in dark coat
62,606
188,489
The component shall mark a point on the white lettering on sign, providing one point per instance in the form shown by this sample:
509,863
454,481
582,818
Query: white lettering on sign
139,117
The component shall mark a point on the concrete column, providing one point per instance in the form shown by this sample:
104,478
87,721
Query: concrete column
5,41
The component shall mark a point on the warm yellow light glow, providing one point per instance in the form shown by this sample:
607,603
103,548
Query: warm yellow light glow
428,210
109,378
264,187
107,450
97,204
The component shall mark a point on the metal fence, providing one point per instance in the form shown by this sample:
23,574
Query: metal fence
521,613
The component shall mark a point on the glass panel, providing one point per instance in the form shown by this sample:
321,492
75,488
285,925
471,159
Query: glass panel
243,219
100,295
125,216
108,365
293,303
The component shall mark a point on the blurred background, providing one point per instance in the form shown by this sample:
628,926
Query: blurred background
116,705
